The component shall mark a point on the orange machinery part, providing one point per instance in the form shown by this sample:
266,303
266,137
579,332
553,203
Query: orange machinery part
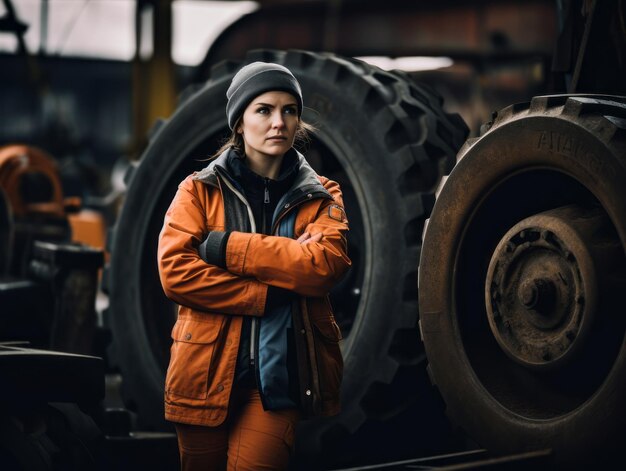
16,161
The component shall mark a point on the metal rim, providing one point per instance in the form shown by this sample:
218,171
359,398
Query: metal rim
530,385
541,286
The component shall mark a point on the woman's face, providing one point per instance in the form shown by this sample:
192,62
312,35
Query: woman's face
269,125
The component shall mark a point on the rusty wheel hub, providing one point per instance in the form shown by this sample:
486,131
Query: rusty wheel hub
541,287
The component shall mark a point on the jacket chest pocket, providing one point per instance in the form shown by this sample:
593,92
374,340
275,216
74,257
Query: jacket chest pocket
191,355
329,359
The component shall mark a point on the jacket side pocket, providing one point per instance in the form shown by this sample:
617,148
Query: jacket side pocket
329,359
191,354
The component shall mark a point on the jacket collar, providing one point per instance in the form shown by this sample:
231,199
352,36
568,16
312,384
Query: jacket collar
306,180
208,174
255,186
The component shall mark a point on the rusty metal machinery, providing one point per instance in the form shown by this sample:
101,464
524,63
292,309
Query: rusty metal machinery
522,280
31,181
48,305
480,31
34,204
48,283
52,414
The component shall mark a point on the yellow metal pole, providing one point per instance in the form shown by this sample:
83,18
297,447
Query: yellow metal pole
154,82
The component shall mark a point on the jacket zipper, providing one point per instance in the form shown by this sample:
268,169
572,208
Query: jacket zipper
266,200
254,330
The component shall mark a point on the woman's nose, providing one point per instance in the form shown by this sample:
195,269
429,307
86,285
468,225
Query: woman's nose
278,121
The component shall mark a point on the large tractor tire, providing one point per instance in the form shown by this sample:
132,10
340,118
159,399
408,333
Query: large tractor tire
386,140
522,281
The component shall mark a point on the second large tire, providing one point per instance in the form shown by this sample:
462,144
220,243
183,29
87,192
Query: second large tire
522,276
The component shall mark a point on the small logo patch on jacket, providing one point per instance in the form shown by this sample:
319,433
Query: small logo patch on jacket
336,212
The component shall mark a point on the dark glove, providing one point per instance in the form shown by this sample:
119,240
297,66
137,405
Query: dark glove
213,249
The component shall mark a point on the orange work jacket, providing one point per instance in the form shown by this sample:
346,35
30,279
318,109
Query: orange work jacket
212,301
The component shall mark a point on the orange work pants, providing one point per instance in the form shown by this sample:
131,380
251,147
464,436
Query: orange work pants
250,438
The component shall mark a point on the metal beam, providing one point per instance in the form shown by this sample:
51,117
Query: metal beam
477,30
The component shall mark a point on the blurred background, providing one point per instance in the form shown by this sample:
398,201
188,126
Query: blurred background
106,105
85,80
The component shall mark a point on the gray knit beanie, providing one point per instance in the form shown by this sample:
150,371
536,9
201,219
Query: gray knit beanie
253,80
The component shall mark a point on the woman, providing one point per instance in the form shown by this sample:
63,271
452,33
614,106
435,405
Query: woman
250,247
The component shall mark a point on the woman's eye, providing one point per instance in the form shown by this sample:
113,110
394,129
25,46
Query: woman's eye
289,110
263,110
